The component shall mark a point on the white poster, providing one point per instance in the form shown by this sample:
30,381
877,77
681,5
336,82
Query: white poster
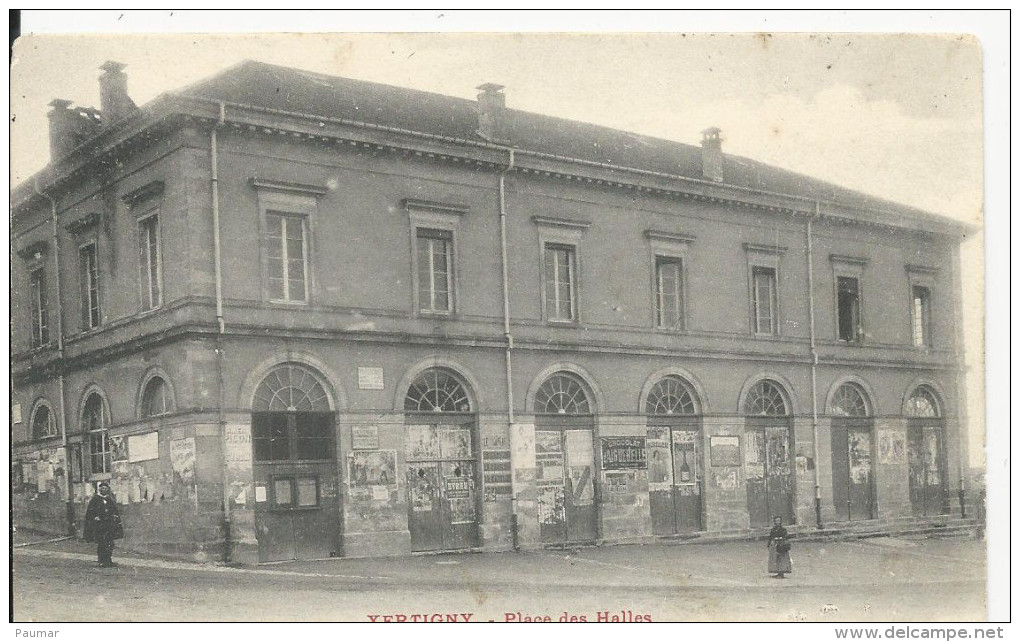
143,447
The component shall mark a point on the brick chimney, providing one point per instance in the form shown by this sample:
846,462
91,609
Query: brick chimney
70,127
492,116
711,154
114,102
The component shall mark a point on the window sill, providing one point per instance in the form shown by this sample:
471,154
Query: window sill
289,304
437,314
563,323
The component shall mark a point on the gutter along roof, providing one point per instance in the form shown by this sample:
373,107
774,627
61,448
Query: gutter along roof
287,93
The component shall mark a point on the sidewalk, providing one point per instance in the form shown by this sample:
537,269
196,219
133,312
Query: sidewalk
727,565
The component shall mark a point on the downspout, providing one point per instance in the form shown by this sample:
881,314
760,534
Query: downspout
215,188
68,499
514,526
814,363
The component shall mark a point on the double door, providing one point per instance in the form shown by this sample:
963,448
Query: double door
441,475
565,455
926,469
674,478
297,511
768,471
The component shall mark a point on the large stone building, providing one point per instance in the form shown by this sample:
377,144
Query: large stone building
289,315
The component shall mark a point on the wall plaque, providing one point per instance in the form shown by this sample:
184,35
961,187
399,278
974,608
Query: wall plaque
143,447
365,437
370,378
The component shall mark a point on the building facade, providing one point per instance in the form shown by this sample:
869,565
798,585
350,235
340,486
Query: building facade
294,316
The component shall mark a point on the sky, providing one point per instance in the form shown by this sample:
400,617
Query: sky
897,116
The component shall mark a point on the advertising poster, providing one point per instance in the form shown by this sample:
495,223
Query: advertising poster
455,442
660,473
182,459
237,446
372,468
725,450
118,448
622,453
892,447
422,442
422,486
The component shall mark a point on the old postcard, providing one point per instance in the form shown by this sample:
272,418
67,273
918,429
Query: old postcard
511,327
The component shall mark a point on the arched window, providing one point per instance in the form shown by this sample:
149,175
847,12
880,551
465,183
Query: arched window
765,399
156,398
436,390
671,395
43,425
562,394
93,422
849,402
923,403
291,387
291,417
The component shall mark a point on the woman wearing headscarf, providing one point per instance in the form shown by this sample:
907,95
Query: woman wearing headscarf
779,550
102,524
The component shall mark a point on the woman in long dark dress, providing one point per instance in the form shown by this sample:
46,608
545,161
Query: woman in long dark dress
779,550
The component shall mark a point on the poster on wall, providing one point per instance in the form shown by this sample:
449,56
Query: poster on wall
422,485
892,447
143,447
182,459
372,468
660,473
622,453
237,446
118,448
455,442
724,450
860,457
422,442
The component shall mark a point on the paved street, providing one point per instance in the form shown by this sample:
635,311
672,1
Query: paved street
880,579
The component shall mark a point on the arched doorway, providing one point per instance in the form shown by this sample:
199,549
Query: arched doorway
767,454
565,454
852,443
926,457
674,456
442,463
297,506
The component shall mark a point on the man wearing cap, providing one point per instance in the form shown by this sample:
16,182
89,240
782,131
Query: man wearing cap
102,524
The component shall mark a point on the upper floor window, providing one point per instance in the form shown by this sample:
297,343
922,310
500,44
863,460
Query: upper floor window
150,262
560,282
43,425
921,316
435,273
848,308
40,313
287,258
669,293
763,285
88,275
156,398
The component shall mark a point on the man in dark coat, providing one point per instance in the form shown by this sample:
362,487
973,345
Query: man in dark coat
102,524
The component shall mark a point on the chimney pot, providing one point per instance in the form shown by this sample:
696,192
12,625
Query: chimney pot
711,154
114,102
492,114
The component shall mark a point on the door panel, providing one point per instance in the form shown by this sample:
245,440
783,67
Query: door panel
551,500
275,535
687,480
926,469
859,473
754,468
840,471
580,491
778,480
424,517
460,521
660,481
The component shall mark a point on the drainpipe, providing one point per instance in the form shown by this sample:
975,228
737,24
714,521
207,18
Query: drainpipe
69,503
215,187
514,526
814,363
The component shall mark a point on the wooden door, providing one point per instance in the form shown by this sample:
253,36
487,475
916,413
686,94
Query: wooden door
687,480
926,469
579,492
424,506
660,481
